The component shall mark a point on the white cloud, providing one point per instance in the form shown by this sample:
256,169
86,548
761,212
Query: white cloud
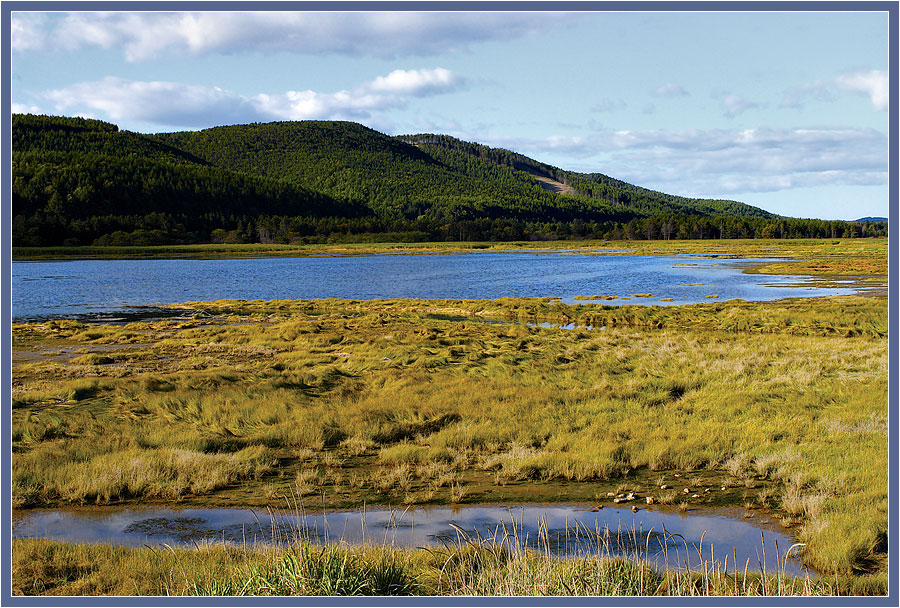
416,82
27,31
21,108
142,36
310,105
874,84
168,103
716,163
734,105
670,90
183,105
720,162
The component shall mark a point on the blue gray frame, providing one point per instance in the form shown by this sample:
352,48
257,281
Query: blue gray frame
890,7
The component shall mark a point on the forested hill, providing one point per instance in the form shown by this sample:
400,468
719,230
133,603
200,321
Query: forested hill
410,174
459,154
79,181
398,181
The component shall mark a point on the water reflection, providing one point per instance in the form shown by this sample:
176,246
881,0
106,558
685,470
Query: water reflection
665,538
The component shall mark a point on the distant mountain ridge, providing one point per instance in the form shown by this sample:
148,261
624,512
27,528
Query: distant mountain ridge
81,181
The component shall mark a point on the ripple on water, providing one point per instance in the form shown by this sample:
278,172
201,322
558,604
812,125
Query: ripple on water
84,287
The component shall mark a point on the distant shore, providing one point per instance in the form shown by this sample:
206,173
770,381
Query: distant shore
864,260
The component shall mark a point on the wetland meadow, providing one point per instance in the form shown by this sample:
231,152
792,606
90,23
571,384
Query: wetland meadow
452,419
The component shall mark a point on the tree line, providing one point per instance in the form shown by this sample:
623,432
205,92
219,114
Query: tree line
41,229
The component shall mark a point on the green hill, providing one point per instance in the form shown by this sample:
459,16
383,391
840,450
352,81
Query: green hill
76,181
617,194
415,174
79,181
80,135
393,178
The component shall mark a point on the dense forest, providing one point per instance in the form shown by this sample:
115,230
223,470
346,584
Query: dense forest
80,182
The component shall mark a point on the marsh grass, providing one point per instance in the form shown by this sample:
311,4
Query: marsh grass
356,446
244,400
668,497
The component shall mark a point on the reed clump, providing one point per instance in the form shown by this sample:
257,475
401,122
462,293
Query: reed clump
469,565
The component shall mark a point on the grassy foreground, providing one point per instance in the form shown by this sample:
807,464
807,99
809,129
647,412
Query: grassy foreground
784,404
50,568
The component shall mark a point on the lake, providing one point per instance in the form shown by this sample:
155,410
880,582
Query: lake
77,288
665,538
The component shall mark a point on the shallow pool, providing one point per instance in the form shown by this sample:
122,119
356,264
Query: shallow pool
665,537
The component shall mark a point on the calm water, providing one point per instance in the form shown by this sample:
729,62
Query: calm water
84,287
666,538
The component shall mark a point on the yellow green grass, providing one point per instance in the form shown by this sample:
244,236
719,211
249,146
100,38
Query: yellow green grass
423,402
51,568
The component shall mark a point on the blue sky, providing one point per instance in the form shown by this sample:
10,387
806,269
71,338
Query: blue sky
787,111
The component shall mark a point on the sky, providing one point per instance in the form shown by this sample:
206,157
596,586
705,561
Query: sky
787,111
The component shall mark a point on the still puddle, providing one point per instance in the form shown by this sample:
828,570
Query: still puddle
544,324
666,538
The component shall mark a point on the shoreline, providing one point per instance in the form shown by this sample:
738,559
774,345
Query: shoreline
597,247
